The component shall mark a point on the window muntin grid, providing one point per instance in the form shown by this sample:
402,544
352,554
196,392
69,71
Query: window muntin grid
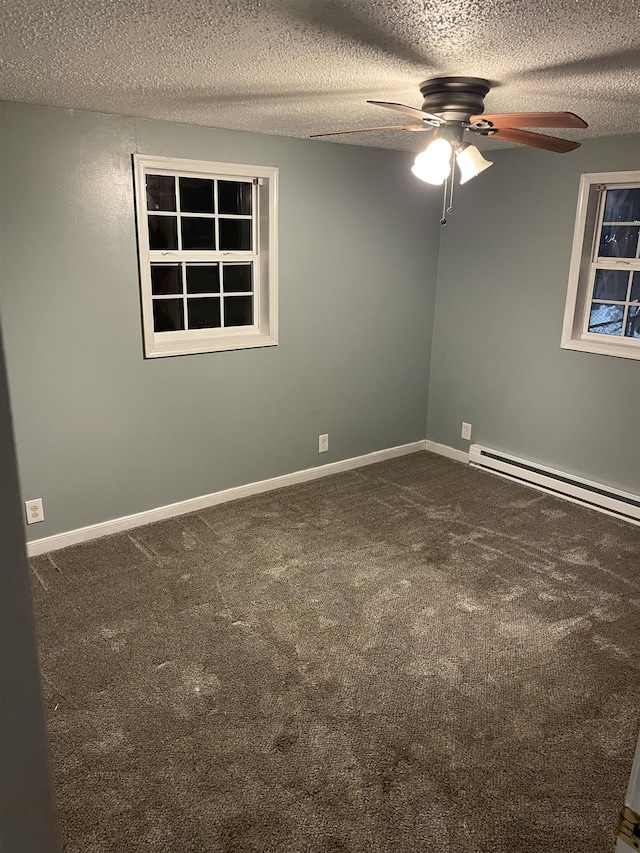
187,213
613,307
214,295
211,215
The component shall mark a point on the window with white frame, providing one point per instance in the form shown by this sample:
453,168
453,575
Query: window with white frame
207,243
602,313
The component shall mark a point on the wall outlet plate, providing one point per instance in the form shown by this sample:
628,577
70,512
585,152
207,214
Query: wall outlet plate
34,510
466,431
323,443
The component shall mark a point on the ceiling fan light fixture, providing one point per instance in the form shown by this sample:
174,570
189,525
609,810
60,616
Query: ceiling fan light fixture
471,162
433,165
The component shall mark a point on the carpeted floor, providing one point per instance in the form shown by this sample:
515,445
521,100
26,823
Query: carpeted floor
414,657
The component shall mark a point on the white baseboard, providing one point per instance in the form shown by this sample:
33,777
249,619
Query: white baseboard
127,522
445,450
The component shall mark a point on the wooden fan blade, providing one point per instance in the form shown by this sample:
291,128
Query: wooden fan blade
533,120
410,111
537,140
369,129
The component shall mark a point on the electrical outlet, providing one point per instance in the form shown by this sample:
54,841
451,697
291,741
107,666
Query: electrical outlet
35,510
466,431
323,443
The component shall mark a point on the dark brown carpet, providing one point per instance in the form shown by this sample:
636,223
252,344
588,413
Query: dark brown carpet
414,657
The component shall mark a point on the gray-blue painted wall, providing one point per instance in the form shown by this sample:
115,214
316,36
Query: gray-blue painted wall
27,815
496,360
101,432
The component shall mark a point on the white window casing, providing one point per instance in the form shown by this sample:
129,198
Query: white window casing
257,261
587,263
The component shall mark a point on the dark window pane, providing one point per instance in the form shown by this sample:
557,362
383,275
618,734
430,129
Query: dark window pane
161,192
198,233
606,319
196,195
204,313
168,315
165,278
235,234
163,232
238,310
611,284
622,206
633,322
635,288
237,277
234,197
203,279
618,241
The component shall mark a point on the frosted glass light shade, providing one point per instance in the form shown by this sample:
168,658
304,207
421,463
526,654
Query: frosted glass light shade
471,163
433,165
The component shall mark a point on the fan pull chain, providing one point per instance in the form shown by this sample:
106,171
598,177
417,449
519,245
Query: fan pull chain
443,221
448,189
450,208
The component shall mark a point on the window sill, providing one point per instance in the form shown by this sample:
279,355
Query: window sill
615,348
249,341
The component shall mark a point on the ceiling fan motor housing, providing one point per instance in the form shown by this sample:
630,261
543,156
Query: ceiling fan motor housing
454,98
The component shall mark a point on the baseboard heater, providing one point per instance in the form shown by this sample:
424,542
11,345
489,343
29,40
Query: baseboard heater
594,495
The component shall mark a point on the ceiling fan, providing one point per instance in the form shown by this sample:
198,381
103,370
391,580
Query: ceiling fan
453,107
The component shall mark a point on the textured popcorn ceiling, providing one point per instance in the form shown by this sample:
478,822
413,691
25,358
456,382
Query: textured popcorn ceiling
297,67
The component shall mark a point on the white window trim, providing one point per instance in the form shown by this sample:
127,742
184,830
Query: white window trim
264,332
585,237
